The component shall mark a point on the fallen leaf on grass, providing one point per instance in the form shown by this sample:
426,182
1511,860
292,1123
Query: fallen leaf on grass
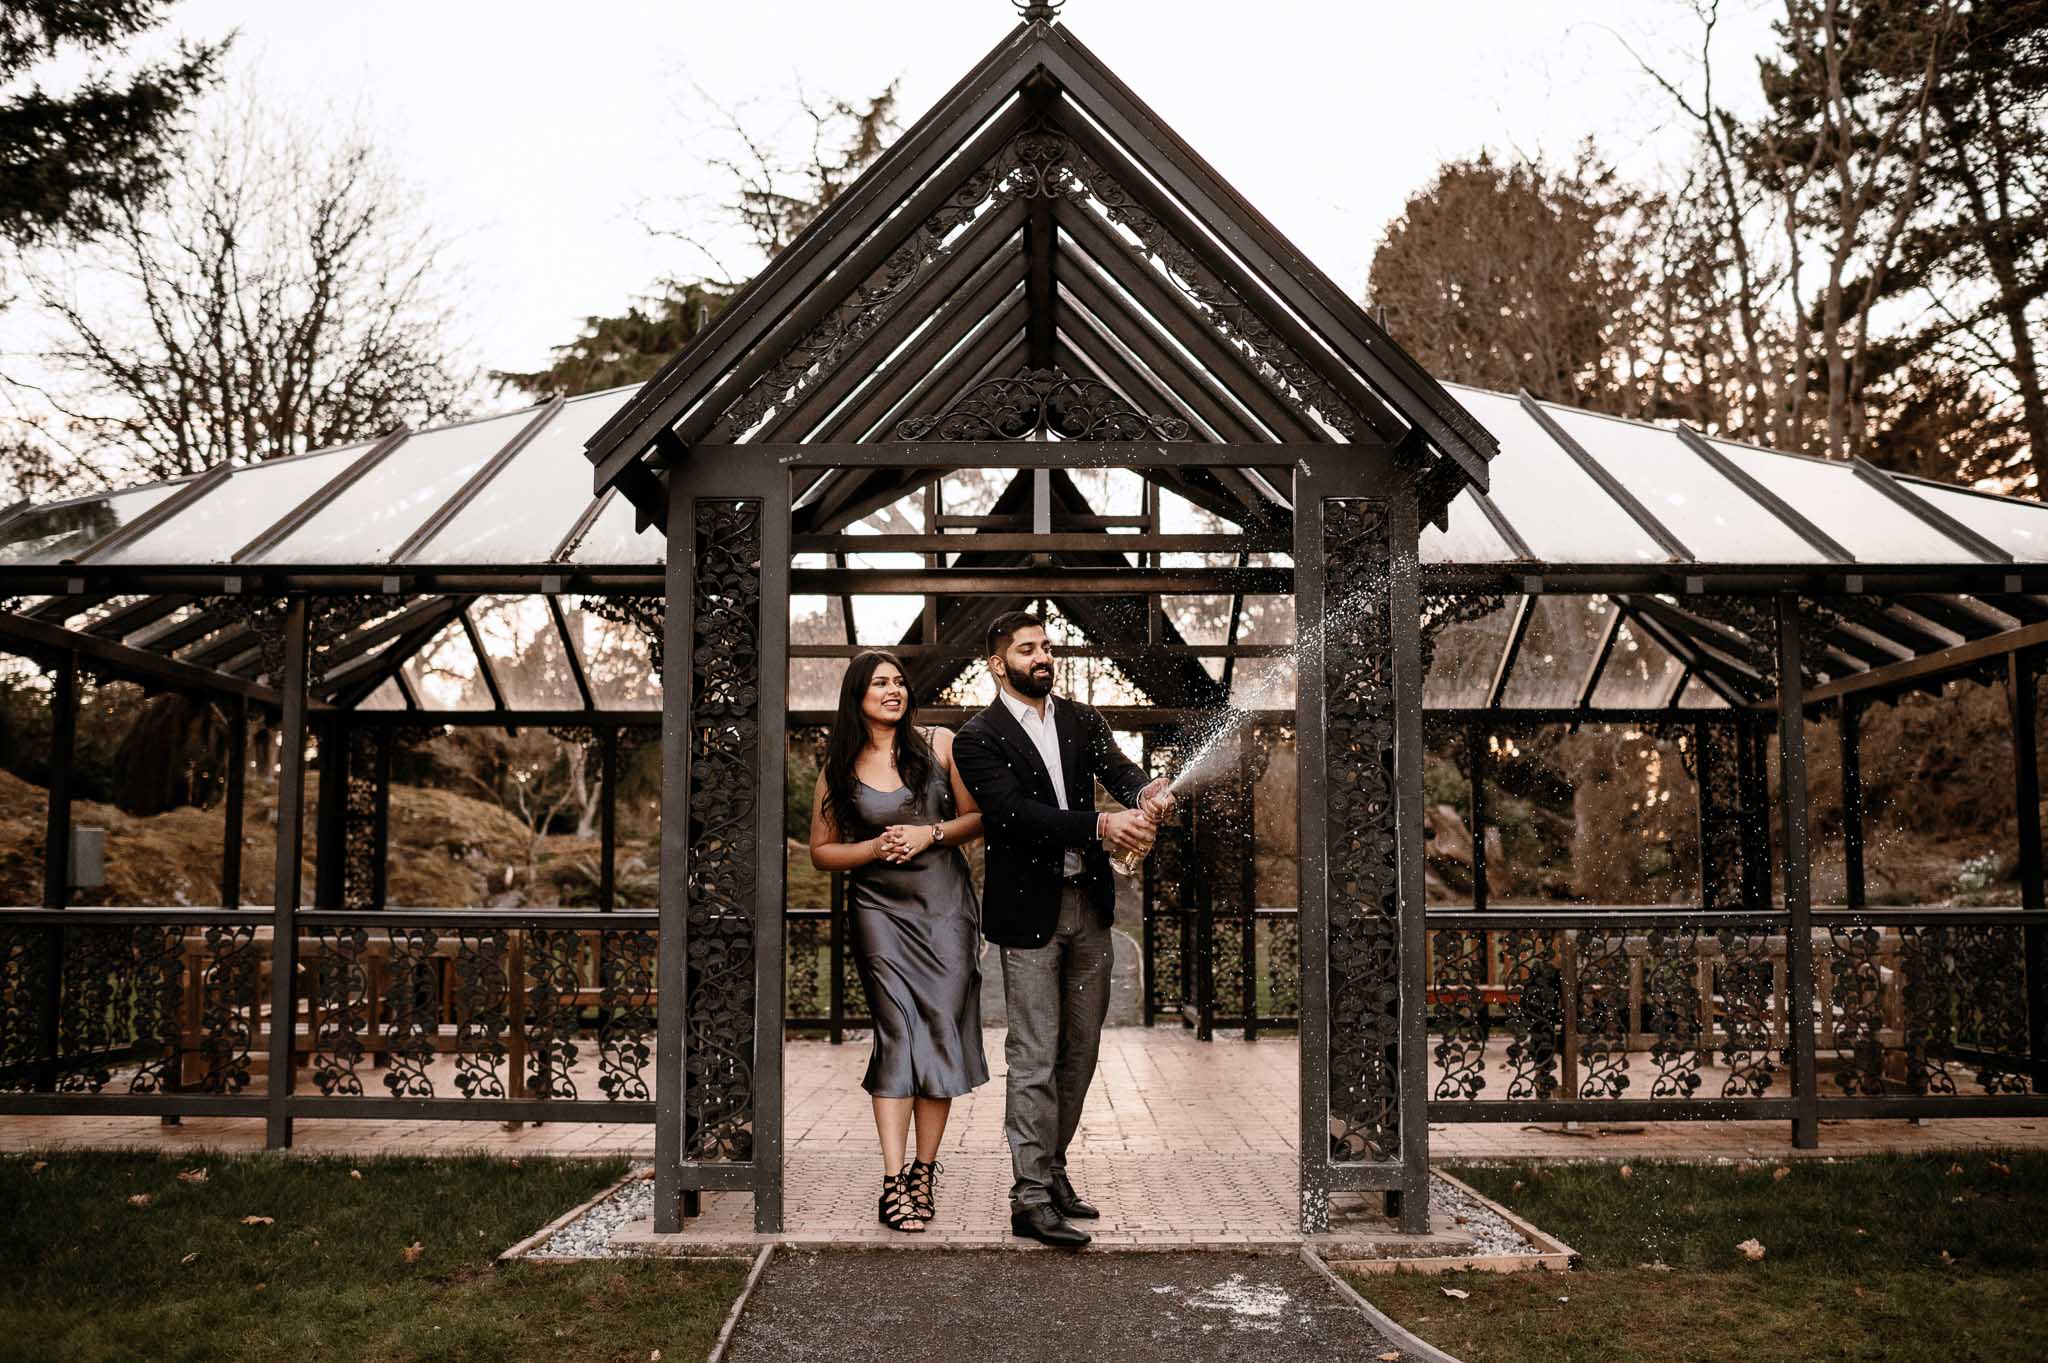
1751,1250
1388,1358
1455,1293
1954,1169
414,1252
1857,1290
193,1257
1947,1258
39,1166
191,1176
1780,1174
654,1356
140,1200
1627,1172
2002,1170
356,1174
1861,1231
259,1220
1654,1266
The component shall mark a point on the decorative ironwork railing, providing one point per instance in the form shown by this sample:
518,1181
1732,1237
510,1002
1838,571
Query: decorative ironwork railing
1662,1014
468,1014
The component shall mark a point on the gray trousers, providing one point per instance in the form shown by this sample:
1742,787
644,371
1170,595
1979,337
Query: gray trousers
1057,997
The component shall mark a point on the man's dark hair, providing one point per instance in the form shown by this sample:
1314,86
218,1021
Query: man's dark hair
1006,627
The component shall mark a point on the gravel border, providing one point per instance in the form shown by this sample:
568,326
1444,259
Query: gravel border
586,1233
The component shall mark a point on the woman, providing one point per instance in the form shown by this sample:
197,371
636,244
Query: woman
892,814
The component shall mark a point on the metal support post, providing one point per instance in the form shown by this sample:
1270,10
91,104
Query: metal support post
284,941
1792,815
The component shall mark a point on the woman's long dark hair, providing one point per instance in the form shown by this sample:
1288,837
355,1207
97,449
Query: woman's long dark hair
914,757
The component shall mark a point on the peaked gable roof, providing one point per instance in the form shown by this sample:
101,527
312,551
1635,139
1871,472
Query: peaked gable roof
1040,217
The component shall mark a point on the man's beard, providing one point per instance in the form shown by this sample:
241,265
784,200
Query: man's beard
1031,683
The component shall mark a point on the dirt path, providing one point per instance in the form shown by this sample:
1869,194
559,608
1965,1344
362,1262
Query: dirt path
1107,1308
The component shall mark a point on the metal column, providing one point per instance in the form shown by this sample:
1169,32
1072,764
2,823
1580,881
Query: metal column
1792,815
284,942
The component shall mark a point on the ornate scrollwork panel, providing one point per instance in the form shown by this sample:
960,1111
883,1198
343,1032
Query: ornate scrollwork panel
1535,1011
339,1008
483,1012
1746,979
1166,873
1991,966
805,980
1363,838
625,1026
1041,162
1671,998
1927,958
1603,1012
159,954
227,1005
94,1006
362,832
722,887
1040,402
1856,1002
412,1012
1458,979
21,977
554,961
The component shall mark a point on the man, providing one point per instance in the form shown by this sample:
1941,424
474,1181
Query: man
1031,761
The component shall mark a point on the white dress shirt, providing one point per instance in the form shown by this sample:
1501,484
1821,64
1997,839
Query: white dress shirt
1045,736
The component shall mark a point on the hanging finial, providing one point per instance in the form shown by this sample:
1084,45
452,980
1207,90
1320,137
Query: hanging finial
1038,11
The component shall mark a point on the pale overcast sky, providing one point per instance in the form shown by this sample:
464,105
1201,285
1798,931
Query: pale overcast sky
544,135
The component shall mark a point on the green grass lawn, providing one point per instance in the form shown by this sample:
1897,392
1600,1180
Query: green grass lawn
1900,1259
87,1275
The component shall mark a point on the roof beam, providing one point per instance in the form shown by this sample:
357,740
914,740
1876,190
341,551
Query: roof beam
37,639
1928,513
1609,484
286,525
1297,280
794,273
1770,501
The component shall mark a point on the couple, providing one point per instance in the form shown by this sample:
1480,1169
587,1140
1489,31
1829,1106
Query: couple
894,805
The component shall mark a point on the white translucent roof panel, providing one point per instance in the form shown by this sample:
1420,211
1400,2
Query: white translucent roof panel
252,499
61,531
612,539
521,515
1553,503
1715,519
1699,696
374,515
2018,527
1470,539
1856,515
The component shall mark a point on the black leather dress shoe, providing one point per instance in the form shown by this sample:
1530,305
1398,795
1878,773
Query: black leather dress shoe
1068,1202
1047,1226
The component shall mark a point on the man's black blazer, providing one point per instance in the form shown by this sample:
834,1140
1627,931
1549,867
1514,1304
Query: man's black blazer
1028,833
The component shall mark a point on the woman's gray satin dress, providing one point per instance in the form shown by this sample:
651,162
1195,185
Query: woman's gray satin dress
917,943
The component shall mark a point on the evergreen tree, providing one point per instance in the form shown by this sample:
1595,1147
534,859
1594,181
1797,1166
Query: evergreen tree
70,162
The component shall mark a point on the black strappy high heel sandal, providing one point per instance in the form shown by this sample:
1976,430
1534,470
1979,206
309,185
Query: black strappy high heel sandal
922,1179
895,1208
